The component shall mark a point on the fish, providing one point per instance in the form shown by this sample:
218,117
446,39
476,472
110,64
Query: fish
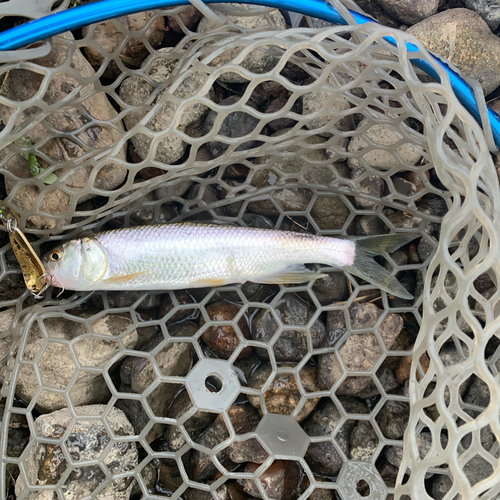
192,255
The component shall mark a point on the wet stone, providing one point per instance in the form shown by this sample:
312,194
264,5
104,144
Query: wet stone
394,454
45,463
292,344
426,249
189,16
370,225
223,339
280,480
182,298
330,212
359,352
283,395
126,299
279,123
368,185
201,465
364,441
393,419
197,423
489,10
249,450
323,457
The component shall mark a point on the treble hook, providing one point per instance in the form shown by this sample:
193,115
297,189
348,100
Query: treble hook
47,285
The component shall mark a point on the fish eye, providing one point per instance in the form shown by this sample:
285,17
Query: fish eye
55,255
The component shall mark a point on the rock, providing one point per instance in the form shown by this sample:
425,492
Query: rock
260,60
331,288
6,319
393,419
404,368
476,469
23,84
55,361
222,339
292,344
370,225
334,113
410,11
137,373
283,395
322,457
168,479
18,430
294,199
177,189
426,249
321,494
201,465
370,185
489,10
279,123
404,187
182,298
197,423
387,379
380,159
330,212
388,472
189,17
108,36
364,441
359,352
136,92
45,464
394,454
464,39
280,480
235,124
258,221
249,450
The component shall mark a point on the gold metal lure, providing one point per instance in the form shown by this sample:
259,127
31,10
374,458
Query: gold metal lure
31,266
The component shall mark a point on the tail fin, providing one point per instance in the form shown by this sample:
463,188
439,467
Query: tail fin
366,268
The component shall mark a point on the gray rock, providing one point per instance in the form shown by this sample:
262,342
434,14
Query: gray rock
335,115
235,124
45,463
136,92
394,454
370,225
331,288
182,298
257,61
359,352
21,85
283,395
464,39
364,441
323,457
387,379
321,494
55,361
371,185
197,423
330,212
489,10
292,344
426,249
279,123
380,159
138,373
189,17
410,11
393,419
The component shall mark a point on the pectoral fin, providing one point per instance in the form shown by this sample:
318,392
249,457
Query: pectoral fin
124,278
292,274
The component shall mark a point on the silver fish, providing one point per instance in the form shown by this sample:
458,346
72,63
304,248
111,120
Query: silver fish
191,255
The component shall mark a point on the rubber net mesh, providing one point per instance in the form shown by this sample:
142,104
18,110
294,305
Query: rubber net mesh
327,390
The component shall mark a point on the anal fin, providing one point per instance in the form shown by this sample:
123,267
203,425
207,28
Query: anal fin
292,274
124,278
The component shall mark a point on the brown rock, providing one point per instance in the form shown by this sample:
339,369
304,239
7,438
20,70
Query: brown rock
109,37
283,395
222,339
